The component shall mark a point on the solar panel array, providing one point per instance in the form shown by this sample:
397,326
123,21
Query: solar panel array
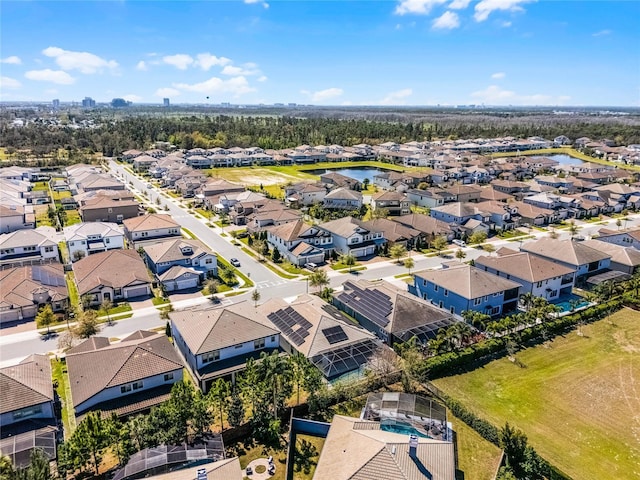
335,334
373,304
293,325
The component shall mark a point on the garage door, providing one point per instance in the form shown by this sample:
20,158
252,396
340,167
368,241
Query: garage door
187,283
136,292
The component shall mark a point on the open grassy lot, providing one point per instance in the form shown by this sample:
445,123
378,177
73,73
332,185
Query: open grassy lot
478,459
576,398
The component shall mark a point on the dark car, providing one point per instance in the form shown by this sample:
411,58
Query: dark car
235,262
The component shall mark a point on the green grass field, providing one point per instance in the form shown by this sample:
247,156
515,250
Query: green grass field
478,459
576,398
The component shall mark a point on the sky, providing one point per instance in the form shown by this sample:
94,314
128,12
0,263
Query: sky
384,52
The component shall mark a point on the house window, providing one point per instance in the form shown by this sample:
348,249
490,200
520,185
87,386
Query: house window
446,293
539,284
495,311
497,294
208,261
452,309
48,249
107,240
258,344
440,303
238,346
168,376
486,298
27,412
117,292
435,287
211,356
273,338
477,301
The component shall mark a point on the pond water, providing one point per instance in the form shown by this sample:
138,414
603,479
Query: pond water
358,173
565,159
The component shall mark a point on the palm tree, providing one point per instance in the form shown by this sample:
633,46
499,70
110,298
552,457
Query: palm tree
349,260
217,396
319,279
275,371
255,296
460,254
409,264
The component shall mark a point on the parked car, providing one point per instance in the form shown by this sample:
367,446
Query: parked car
460,243
149,185
235,262
311,266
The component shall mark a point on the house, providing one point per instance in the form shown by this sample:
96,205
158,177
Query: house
24,247
107,208
356,448
428,226
536,275
143,163
585,260
272,213
461,287
28,410
534,215
395,203
300,243
501,216
112,275
350,236
181,263
151,227
321,333
25,289
464,193
343,198
125,377
16,217
429,198
394,232
217,342
304,194
628,237
392,314
334,179
623,259
84,239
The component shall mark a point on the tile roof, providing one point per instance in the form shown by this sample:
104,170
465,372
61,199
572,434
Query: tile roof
152,221
25,384
114,268
567,251
95,370
467,281
424,223
525,266
20,283
392,231
208,329
343,227
21,238
172,250
83,230
619,254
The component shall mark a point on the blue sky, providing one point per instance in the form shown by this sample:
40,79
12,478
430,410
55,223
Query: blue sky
406,52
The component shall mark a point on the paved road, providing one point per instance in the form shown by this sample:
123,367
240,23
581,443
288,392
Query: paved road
17,346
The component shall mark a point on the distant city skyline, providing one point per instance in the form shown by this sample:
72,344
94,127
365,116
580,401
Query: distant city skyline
407,52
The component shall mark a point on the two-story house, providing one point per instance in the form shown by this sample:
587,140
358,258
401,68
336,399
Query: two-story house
16,217
25,247
25,289
351,236
28,406
217,342
628,237
125,377
343,198
300,243
429,198
428,226
181,264
112,275
107,208
304,194
151,227
536,275
395,203
84,239
585,260
461,287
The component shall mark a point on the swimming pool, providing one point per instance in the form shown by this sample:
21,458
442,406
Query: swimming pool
565,304
401,428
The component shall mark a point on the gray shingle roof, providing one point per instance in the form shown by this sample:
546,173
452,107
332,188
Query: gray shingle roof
115,268
25,384
566,251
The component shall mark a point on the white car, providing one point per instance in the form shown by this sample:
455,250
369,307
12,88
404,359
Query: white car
460,243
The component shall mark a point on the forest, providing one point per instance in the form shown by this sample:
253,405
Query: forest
111,132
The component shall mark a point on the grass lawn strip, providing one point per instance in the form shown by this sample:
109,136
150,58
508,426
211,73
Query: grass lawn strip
59,373
575,400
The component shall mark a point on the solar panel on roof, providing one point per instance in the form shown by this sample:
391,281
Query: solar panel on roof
335,334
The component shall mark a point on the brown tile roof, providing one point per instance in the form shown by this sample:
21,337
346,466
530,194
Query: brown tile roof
526,266
619,254
25,384
95,370
392,231
424,223
171,250
114,268
467,281
151,221
288,231
19,284
566,251
208,329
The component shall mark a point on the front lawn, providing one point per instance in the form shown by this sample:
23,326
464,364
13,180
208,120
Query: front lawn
576,399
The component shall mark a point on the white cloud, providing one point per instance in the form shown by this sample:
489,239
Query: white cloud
12,60
236,86
484,8
85,62
323,95
495,95
447,21
420,7
396,98
142,65
263,78
181,61
601,33
132,98
206,61
47,75
247,69
459,4
7,82
506,24
167,92
264,4
498,75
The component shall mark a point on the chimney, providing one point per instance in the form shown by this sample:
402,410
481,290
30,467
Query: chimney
413,445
